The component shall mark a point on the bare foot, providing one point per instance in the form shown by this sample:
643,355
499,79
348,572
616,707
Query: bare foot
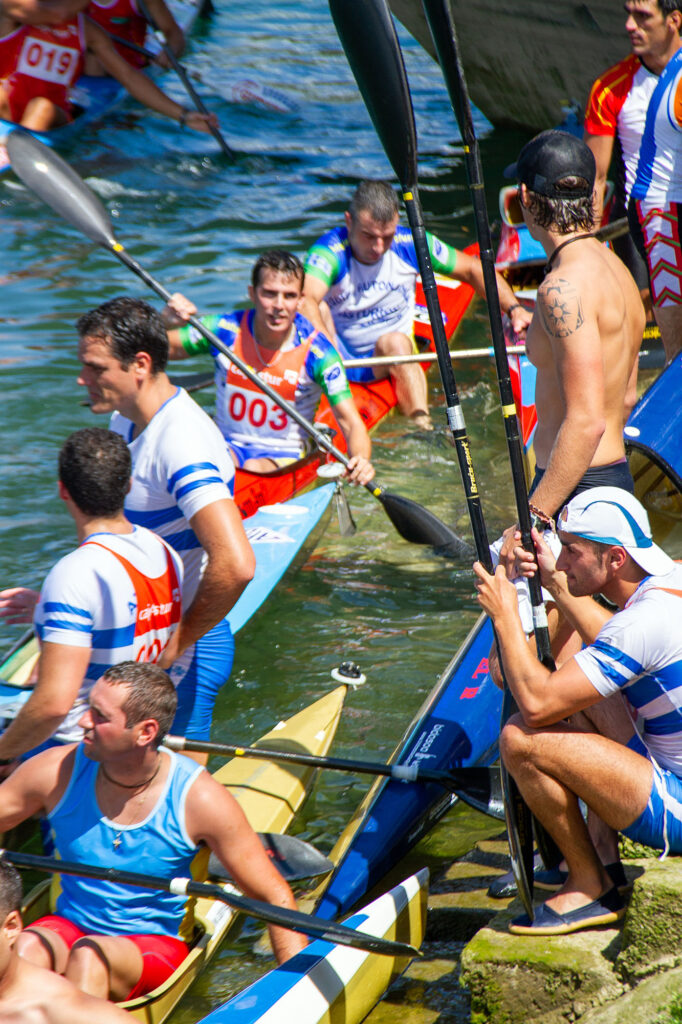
422,420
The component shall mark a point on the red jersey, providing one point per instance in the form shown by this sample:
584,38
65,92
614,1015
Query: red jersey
121,18
617,109
42,61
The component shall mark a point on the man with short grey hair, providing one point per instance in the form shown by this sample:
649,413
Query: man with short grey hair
366,272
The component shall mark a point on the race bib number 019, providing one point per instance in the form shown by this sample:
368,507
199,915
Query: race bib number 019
48,62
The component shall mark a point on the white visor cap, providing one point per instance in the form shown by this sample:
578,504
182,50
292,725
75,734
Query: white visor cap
610,515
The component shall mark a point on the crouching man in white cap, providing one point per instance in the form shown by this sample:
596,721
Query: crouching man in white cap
606,727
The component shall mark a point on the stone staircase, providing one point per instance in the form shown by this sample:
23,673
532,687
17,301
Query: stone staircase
631,974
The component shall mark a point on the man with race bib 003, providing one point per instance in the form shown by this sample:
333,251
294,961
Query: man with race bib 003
286,351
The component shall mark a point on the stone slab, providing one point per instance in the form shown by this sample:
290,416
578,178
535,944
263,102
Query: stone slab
654,921
516,979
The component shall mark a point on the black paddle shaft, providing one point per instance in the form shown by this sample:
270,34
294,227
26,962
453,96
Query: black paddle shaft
184,78
475,785
441,23
308,924
368,37
444,34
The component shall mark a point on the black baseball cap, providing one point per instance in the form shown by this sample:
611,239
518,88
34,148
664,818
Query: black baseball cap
549,157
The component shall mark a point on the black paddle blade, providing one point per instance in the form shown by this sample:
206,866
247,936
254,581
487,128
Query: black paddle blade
347,527
419,526
480,788
58,185
520,837
293,858
368,36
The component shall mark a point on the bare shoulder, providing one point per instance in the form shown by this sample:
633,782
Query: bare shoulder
561,305
50,769
211,807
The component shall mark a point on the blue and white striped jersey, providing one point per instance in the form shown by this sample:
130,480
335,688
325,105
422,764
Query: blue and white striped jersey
639,653
89,600
180,465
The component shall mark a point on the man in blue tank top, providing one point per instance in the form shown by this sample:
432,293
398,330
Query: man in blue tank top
118,800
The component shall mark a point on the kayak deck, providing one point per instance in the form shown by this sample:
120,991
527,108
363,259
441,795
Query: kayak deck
270,795
330,984
457,725
282,536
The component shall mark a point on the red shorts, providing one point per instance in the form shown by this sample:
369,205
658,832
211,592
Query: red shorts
161,954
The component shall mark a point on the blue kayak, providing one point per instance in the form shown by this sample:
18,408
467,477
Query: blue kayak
280,535
457,725
652,439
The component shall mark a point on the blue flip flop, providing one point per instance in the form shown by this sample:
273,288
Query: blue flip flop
607,909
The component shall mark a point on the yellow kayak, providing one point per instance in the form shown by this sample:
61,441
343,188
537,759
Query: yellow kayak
270,795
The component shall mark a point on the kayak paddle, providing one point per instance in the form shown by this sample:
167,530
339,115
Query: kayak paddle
206,378
368,36
296,921
477,786
444,34
58,185
293,857
184,78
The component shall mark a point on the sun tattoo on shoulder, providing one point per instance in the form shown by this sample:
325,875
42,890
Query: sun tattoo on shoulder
560,308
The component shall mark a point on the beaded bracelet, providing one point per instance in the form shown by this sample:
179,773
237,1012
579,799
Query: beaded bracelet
516,305
546,521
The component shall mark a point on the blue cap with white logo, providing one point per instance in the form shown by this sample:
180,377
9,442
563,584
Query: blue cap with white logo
610,515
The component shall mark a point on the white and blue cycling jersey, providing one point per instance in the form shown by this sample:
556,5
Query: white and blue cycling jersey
90,600
367,300
658,179
180,466
639,654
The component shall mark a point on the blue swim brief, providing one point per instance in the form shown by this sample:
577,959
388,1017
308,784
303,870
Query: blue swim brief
242,452
198,674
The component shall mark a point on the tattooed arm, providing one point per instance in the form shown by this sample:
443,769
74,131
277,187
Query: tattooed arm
569,320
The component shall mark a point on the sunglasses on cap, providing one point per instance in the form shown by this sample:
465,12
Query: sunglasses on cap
510,206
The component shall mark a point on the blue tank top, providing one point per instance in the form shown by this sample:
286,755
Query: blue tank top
159,845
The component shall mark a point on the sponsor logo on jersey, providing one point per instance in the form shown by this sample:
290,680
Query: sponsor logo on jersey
153,610
321,262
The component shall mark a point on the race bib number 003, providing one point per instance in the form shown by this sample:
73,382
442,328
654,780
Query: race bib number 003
257,411
47,61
